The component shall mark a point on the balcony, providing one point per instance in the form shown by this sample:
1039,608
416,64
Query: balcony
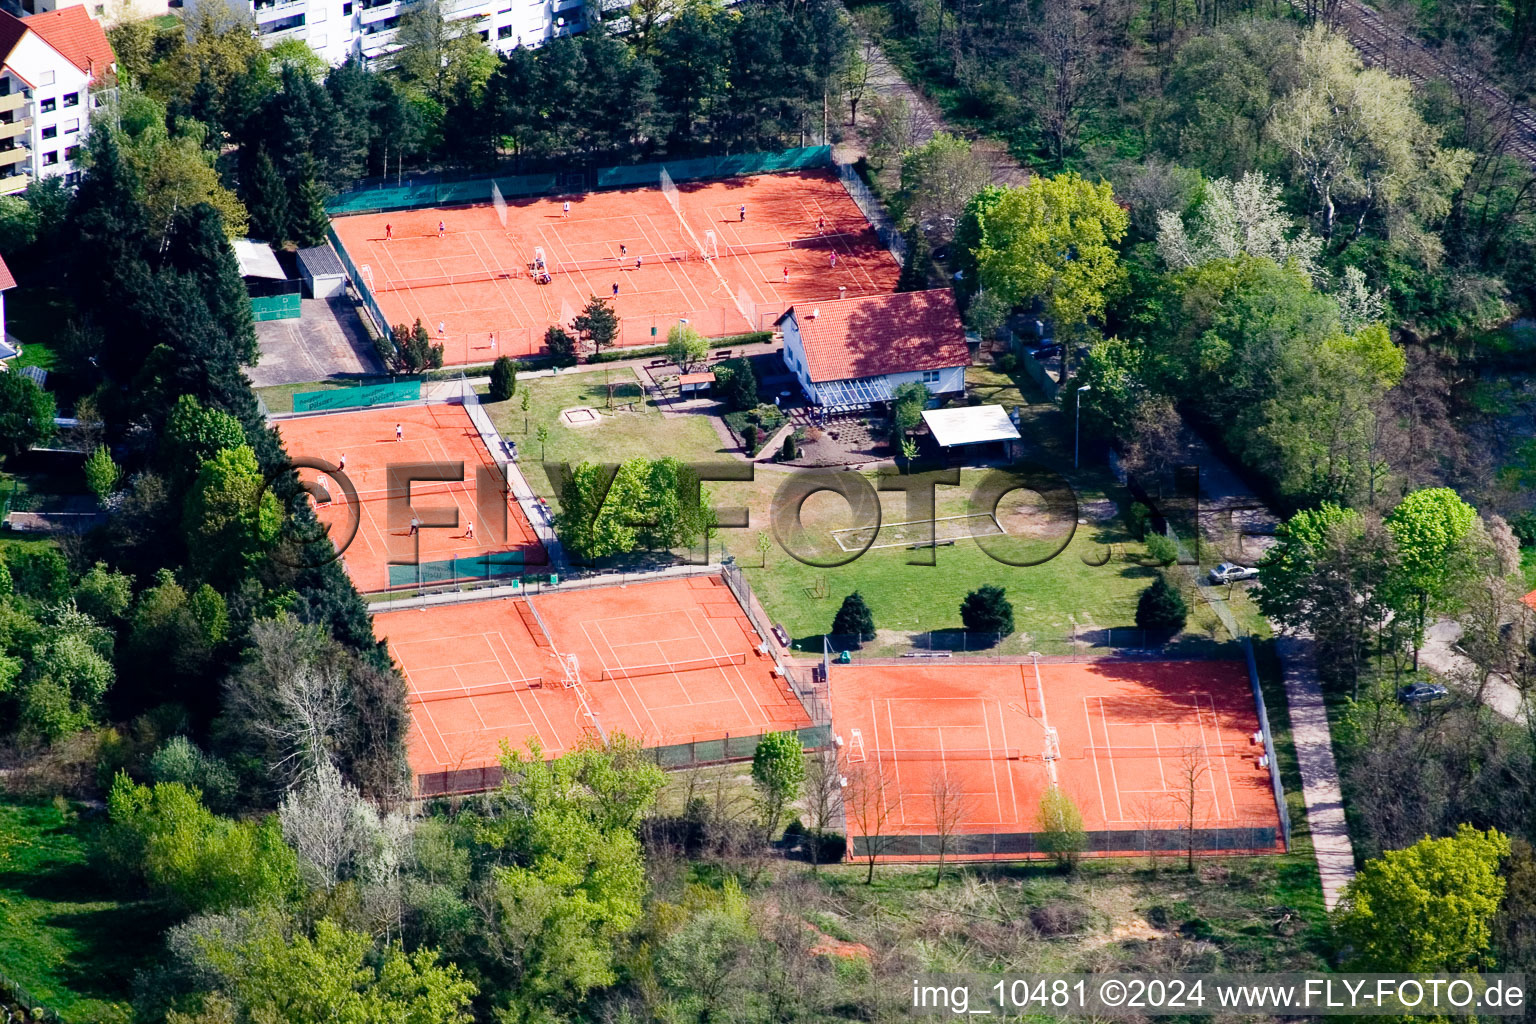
383,12
14,183
15,155
275,12
13,101
14,129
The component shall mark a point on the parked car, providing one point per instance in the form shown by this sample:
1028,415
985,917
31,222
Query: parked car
1227,572
1421,693
1046,351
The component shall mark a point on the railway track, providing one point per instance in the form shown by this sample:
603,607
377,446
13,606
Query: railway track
1386,47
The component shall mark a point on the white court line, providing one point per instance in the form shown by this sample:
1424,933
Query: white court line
1097,777
1002,718
503,669
1110,752
901,805
616,687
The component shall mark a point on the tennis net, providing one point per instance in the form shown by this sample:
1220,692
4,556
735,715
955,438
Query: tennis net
479,690
1174,751
668,667
472,277
617,262
940,754
840,243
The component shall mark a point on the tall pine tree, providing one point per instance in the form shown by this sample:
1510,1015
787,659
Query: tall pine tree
266,199
308,221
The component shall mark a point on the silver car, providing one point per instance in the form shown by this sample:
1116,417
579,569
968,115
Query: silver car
1227,572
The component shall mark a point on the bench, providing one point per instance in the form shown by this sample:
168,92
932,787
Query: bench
658,362
724,353
926,654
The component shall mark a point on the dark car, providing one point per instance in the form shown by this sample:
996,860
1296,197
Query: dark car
1421,693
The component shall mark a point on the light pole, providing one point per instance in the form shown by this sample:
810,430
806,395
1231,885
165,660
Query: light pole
1077,421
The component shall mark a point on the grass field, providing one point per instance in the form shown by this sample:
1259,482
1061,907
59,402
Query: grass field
64,936
619,436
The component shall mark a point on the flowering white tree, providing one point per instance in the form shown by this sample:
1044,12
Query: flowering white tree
1359,307
1233,219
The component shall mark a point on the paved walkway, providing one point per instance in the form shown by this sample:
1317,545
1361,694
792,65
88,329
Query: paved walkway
1319,773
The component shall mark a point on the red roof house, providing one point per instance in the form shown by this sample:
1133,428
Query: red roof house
852,353
79,37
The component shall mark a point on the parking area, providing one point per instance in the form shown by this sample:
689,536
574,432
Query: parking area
328,340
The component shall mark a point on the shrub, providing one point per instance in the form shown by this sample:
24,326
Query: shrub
1161,608
788,452
1161,550
1007,362
749,437
562,347
987,610
101,473
503,379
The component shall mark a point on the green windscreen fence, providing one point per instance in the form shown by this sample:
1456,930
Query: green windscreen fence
481,567
417,195
358,397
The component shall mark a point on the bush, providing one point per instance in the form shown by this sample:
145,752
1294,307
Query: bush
101,473
789,451
1161,608
1162,550
749,437
503,379
1007,362
562,347
987,610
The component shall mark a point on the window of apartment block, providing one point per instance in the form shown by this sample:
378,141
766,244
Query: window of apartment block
930,376
49,159
47,105
72,178
71,99
51,131
346,8
505,32
71,152
72,125
46,78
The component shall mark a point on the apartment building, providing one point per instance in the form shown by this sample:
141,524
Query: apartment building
53,69
338,29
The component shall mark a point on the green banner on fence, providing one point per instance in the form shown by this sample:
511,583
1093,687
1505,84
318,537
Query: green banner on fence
275,307
357,398
483,567
417,195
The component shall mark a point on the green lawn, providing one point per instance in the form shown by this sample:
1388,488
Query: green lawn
1528,566
64,936
1049,599
34,315
644,431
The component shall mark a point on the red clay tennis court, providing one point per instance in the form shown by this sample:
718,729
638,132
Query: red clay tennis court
385,552
669,663
1146,750
474,279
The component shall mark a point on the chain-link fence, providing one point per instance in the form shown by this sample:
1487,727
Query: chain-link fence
1080,643
874,211
1255,838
